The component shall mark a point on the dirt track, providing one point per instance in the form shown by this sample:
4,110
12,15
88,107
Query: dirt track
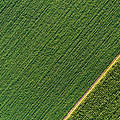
91,88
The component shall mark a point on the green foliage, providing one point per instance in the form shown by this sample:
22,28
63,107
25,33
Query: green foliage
51,51
103,102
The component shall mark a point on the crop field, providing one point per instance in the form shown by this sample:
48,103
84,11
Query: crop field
103,102
51,52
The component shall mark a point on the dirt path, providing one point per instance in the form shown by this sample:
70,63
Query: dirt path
91,88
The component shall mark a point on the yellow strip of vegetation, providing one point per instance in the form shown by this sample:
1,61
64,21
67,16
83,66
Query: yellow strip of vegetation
91,88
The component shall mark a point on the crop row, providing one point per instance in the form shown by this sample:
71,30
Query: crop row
57,69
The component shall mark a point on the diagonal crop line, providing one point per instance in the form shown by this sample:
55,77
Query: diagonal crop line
6,25
82,31
43,46
38,32
38,21
54,86
23,24
71,68
40,50
39,16
70,81
8,6
19,23
31,70
91,88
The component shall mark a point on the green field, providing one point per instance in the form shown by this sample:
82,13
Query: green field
51,51
104,101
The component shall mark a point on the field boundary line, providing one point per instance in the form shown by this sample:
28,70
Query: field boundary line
92,87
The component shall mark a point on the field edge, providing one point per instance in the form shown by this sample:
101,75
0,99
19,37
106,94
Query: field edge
92,87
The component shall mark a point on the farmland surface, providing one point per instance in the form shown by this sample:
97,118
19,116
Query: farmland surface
51,52
104,101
